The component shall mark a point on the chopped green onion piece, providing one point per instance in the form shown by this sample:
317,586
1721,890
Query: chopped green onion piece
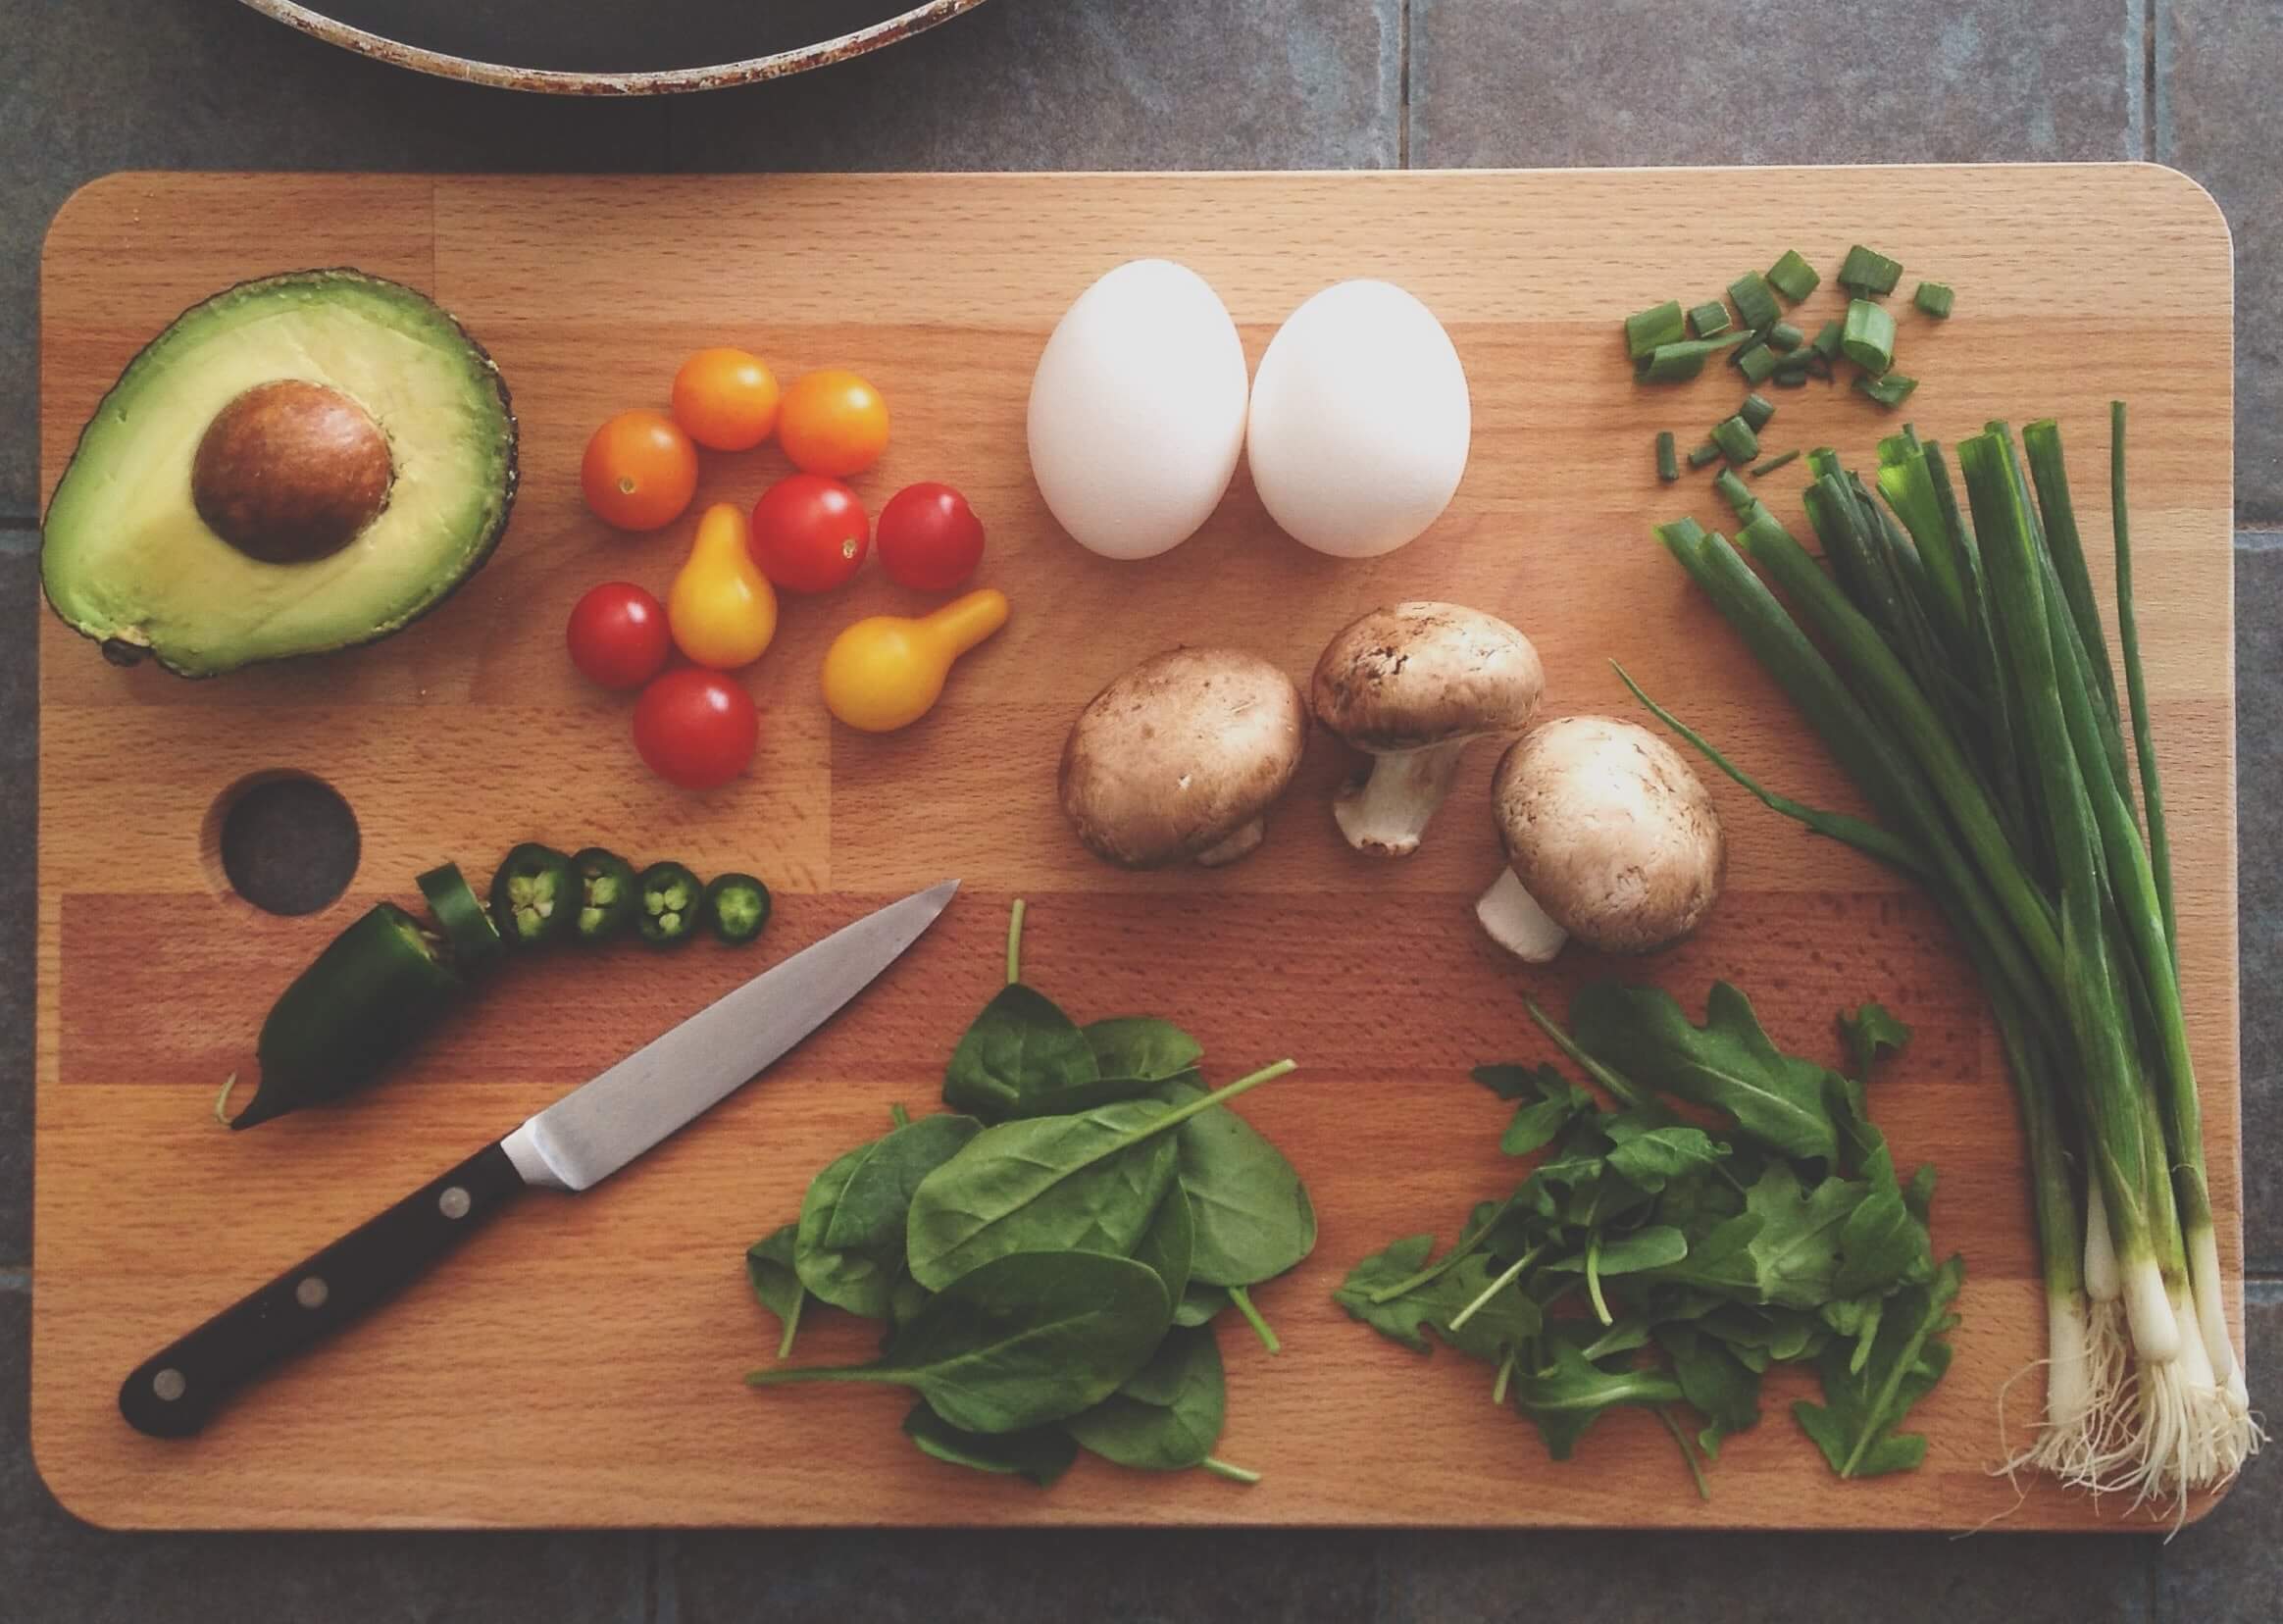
1732,491
1755,304
1737,443
1823,460
1867,273
1934,298
1658,324
1889,389
1869,336
1702,454
1668,466
1773,463
1756,361
1755,411
1791,378
1682,358
1709,319
1792,276
1785,337
1826,342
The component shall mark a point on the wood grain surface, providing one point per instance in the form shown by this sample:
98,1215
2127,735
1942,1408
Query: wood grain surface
579,1363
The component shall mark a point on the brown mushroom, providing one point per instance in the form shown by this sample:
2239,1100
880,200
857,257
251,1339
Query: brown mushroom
1180,758
1413,685
1610,836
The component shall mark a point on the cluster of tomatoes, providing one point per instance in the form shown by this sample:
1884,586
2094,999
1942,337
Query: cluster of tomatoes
808,533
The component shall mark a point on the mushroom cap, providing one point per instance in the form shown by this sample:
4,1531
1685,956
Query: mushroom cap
1413,675
1610,830
1179,753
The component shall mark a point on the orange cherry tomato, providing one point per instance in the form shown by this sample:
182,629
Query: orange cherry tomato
639,471
726,398
833,423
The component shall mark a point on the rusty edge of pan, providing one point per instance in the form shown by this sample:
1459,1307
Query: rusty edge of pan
567,83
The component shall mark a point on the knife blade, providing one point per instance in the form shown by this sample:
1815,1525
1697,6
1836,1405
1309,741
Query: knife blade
573,1144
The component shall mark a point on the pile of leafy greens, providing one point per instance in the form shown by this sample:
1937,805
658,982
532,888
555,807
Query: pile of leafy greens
1648,1259
1048,1255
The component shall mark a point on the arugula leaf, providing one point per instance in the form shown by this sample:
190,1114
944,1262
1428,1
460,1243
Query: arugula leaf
1855,1425
1649,1158
1719,1386
1511,1317
1022,1057
768,1269
1871,1034
1728,1064
1570,1394
1551,1102
1039,1453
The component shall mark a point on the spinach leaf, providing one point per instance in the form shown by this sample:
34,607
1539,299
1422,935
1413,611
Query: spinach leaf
1022,1056
1090,1181
1039,1453
1728,1064
1141,1048
1252,1214
1200,1304
1023,1340
1167,1416
1570,1392
769,1268
1855,1425
1086,1183
1169,1244
850,1247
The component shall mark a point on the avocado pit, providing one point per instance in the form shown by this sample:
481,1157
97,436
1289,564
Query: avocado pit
291,472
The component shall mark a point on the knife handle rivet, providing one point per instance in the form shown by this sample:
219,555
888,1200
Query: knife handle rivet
311,1293
454,1203
170,1385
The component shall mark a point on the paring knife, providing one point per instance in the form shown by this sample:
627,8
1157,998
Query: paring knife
574,1145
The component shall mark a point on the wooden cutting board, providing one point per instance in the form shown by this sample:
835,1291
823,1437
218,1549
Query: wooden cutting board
579,1363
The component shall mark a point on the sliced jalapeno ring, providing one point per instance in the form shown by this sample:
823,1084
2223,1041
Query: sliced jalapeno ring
375,989
532,897
738,906
461,915
607,895
672,901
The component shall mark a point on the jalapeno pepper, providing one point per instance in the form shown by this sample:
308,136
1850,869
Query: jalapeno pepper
533,898
738,906
607,895
672,901
373,991
470,934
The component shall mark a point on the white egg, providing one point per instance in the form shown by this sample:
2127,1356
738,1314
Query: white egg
1360,420
1138,410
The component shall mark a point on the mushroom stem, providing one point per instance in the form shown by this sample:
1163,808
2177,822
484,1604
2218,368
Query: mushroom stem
1384,812
1516,922
1239,843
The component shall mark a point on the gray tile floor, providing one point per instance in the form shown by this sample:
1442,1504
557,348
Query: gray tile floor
92,86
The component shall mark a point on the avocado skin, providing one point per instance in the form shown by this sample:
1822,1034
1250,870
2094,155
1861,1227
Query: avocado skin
121,652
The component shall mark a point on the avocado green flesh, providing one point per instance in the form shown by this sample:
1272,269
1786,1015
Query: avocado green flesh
124,556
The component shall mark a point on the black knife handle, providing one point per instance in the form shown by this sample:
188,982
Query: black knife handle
176,1392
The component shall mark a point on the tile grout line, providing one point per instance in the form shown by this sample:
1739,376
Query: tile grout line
1403,83
2140,78
2152,95
662,1600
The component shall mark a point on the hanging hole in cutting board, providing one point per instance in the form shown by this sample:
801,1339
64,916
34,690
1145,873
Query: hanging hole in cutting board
285,842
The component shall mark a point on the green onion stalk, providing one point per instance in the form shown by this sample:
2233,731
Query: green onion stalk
1961,677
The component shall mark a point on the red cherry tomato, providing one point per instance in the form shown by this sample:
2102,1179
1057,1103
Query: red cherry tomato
809,534
929,539
695,728
618,636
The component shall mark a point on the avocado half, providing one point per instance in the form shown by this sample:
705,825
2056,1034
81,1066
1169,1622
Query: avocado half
298,463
